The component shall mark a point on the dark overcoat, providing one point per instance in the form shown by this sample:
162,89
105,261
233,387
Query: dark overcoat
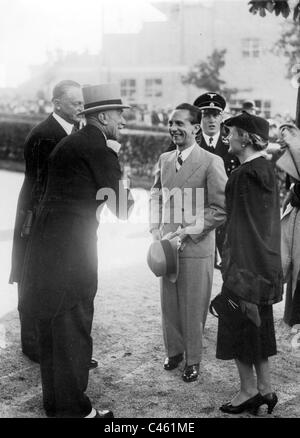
61,261
38,145
252,257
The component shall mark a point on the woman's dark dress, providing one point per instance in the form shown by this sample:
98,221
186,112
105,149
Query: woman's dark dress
252,269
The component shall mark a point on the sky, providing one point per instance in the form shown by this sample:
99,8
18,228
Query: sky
29,29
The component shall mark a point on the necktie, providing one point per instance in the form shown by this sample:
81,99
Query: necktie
179,161
211,141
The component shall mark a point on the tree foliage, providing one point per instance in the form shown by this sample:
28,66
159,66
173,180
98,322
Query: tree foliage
283,7
289,46
207,74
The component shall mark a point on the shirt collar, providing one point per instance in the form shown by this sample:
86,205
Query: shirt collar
114,145
253,156
215,139
63,123
186,152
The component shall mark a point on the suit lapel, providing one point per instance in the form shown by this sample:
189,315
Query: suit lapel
190,165
56,128
170,171
188,168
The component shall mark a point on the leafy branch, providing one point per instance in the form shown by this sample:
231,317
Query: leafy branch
279,7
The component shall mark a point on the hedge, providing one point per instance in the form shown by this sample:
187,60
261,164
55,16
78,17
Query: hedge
12,136
139,153
140,149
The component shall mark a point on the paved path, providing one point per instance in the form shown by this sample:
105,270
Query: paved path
127,336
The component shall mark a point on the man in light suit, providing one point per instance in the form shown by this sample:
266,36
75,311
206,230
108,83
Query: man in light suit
180,173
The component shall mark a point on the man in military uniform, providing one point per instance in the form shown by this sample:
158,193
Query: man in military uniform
212,138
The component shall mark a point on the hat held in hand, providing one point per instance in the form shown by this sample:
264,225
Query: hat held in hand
163,258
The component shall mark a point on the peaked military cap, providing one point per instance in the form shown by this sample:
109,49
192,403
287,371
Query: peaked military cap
210,101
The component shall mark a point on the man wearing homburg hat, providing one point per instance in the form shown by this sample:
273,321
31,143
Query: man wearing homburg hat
185,177
212,138
83,170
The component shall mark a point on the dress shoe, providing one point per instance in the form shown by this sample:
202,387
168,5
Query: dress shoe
251,405
270,400
93,363
190,372
172,362
50,413
104,414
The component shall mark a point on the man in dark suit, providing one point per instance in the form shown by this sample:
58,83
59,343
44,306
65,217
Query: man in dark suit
67,102
59,279
212,138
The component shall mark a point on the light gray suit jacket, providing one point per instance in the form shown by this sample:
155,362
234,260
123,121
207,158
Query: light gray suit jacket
193,198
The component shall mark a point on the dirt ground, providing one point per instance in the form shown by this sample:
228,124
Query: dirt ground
130,378
128,344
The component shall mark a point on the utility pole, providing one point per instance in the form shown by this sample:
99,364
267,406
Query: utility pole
181,33
105,74
298,108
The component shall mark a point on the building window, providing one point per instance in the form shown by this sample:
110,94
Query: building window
153,87
128,89
264,107
251,47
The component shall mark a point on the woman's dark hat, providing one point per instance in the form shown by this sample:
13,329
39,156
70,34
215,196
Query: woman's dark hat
250,123
210,101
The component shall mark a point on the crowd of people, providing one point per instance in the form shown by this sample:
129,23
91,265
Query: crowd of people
214,203
28,107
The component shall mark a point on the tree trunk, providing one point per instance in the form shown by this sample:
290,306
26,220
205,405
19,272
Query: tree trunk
298,109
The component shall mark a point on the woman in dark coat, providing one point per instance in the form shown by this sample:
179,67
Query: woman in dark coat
252,273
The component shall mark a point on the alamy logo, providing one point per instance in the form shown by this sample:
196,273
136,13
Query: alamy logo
184,207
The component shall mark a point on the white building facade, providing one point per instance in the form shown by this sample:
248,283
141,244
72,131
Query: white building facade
150,64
